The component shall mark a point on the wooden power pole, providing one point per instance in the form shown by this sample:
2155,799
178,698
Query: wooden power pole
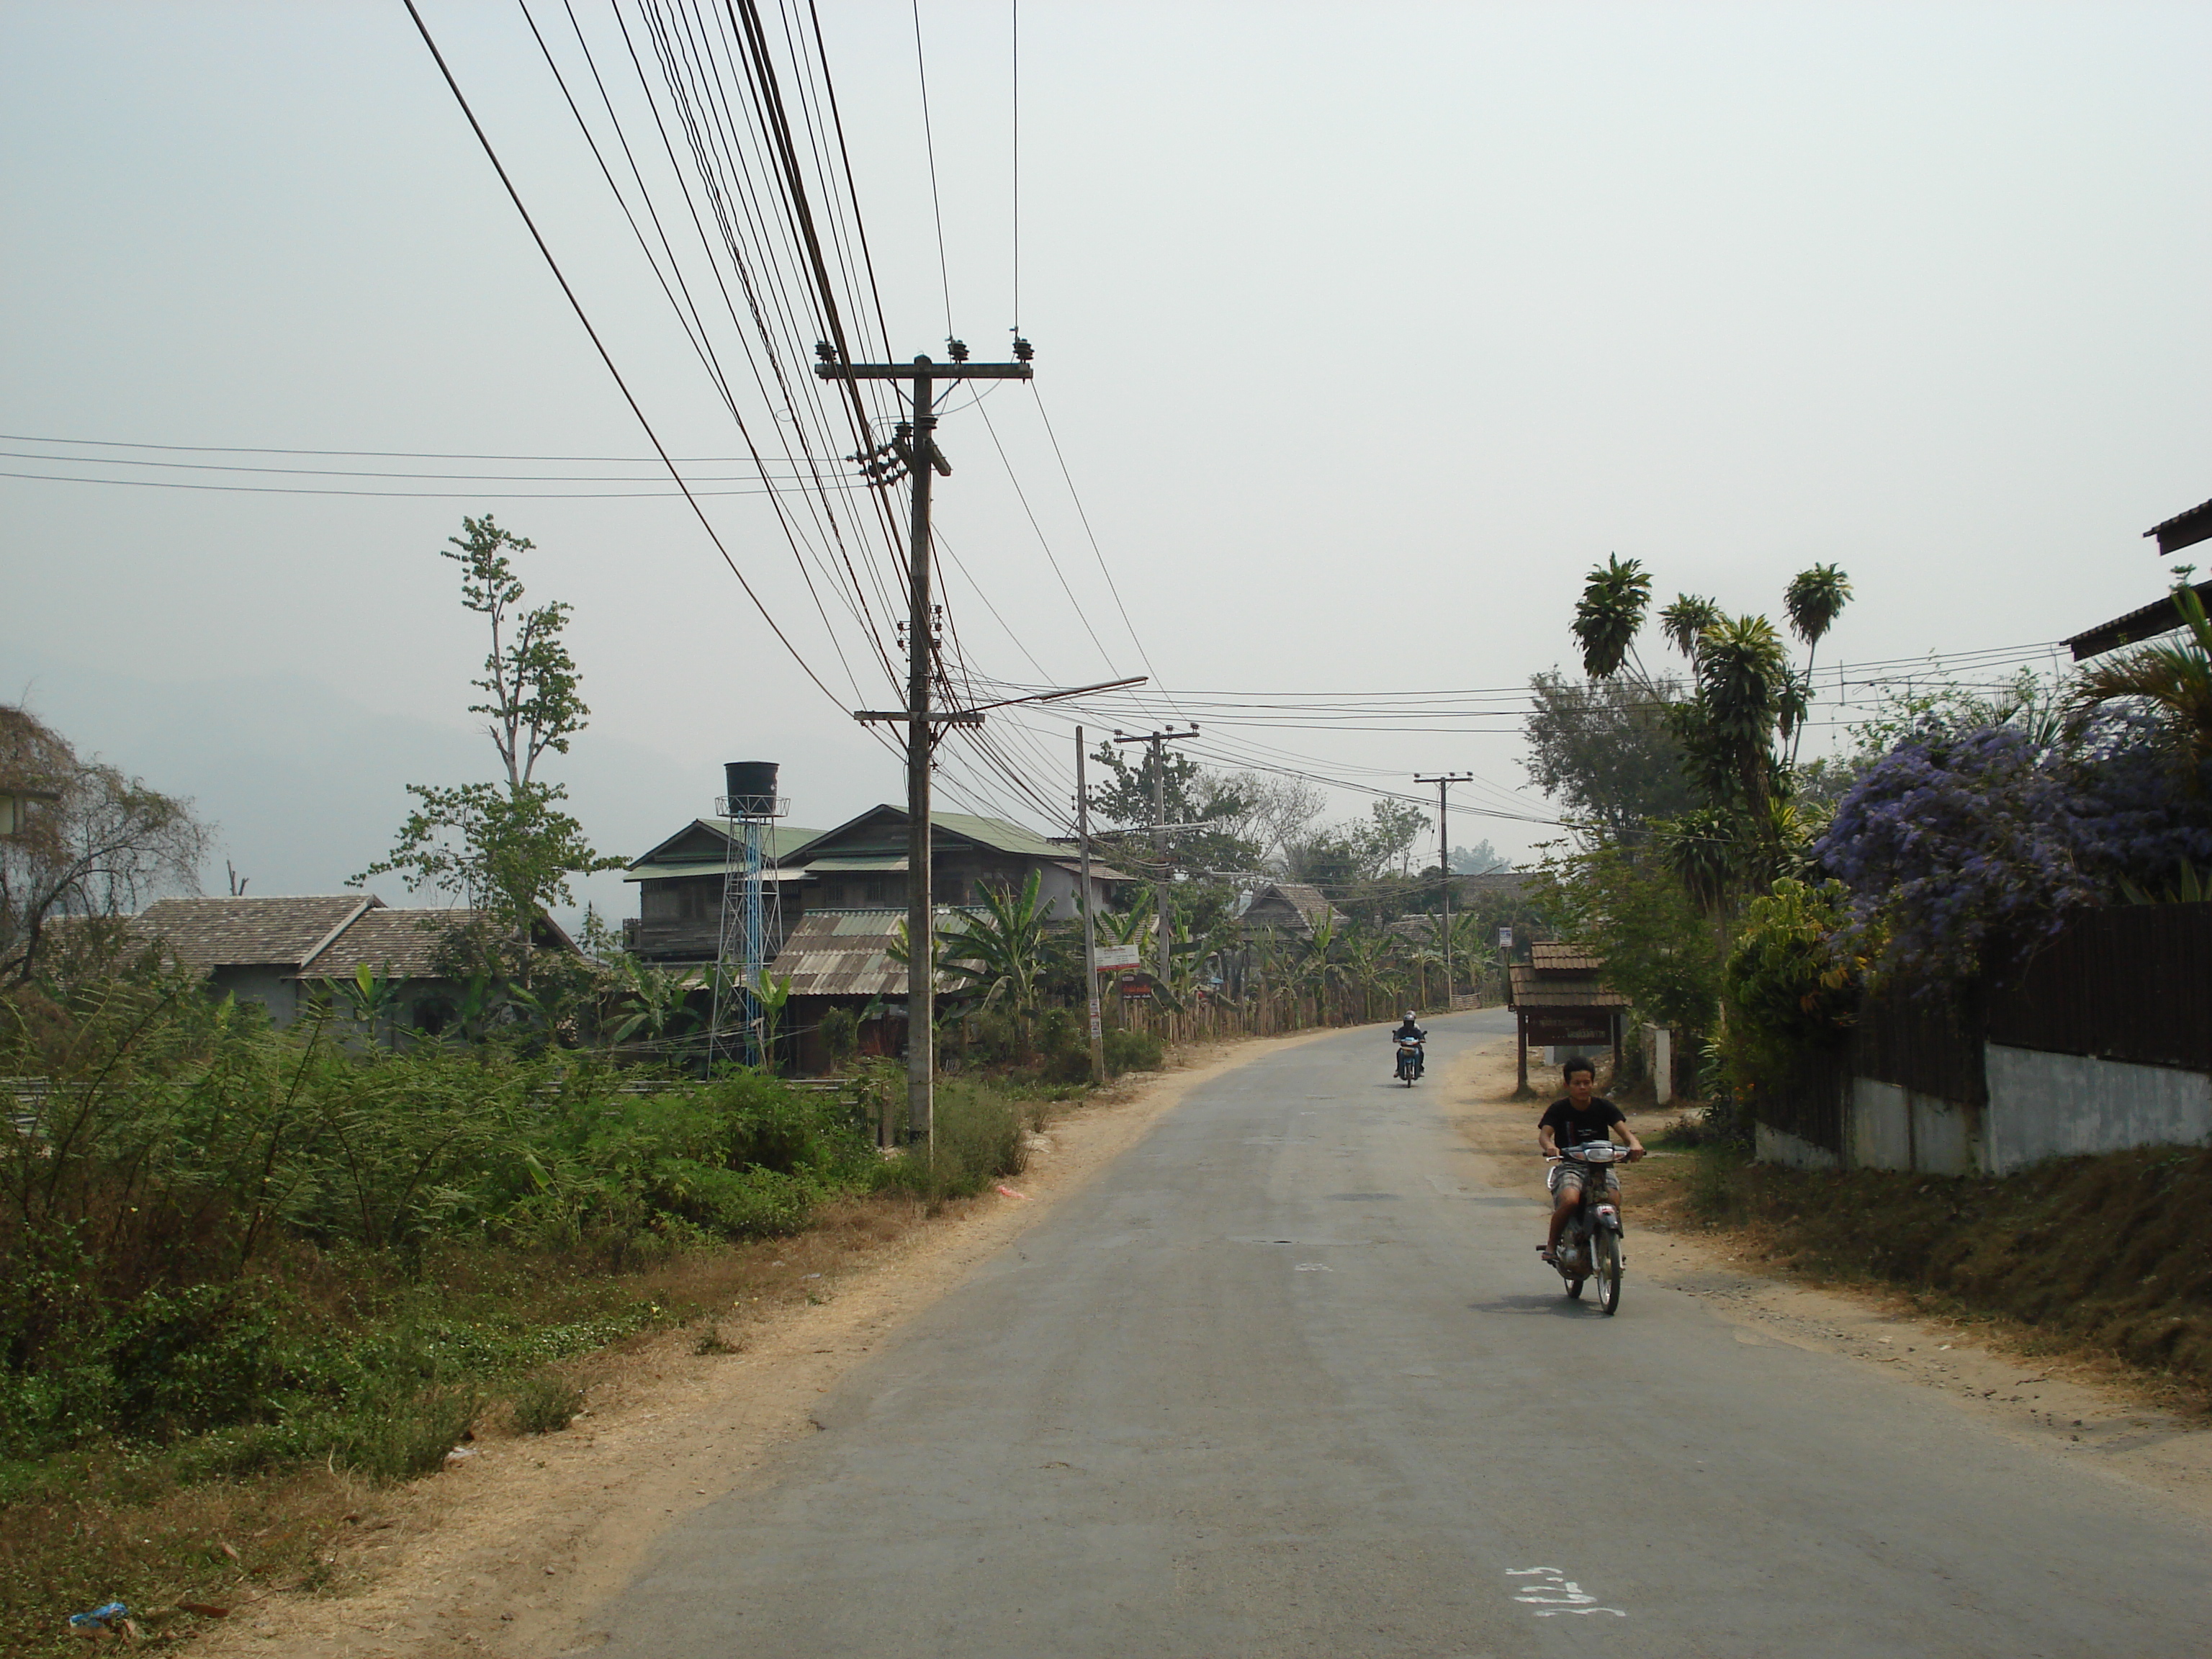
1444,781
1090,922
1160,834
916,447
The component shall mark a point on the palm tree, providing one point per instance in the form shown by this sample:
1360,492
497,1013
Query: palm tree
1687,620
1609,613
1814,598
1741,679
2175,678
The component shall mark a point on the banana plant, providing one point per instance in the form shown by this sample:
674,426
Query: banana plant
770,994
656,1002
371,998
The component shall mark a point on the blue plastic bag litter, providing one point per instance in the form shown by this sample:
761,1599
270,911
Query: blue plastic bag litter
99,1618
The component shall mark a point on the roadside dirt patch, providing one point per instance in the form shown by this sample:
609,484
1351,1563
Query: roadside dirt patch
509,1550
2092,1408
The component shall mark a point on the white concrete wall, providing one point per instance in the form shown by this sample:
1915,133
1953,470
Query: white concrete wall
2061,1105
1947,1137
1878,1134
1772,1145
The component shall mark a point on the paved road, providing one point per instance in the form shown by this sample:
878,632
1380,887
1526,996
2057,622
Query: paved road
1285,1380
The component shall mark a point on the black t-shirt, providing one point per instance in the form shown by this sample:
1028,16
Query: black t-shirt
1572,1127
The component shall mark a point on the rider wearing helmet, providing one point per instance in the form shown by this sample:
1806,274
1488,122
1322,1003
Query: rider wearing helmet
1409,1031
1579,1118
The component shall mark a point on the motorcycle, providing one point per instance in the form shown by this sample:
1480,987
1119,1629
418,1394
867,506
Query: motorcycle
1411,1059
1590,1244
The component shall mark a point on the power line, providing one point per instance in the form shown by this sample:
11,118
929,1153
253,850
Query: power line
929,144
575,305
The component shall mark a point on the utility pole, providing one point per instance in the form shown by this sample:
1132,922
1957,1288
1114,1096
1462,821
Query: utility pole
1090,922
1444,781
1160,832
916,447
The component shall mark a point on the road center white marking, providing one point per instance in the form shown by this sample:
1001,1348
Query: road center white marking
1552,1593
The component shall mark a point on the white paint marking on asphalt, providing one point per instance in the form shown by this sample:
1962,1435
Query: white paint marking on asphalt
1570,1597
1315,1267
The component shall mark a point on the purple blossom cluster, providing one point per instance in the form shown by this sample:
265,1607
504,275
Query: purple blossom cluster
1963,849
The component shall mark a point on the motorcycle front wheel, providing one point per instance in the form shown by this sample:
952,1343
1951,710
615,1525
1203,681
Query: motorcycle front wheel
1608,1273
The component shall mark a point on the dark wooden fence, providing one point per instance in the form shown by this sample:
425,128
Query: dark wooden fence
2130,982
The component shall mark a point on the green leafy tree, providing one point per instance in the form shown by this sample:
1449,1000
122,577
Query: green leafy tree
1626,903
506,848
1606,750
1226,810
1387,836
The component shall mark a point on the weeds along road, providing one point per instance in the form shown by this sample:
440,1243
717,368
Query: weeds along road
1288,1379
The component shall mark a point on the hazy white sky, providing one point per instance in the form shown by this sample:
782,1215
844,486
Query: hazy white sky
1366,331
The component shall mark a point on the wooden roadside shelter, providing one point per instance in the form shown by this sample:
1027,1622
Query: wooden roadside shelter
1559,999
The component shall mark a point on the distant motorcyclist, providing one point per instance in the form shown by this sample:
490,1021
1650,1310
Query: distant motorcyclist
1409,1031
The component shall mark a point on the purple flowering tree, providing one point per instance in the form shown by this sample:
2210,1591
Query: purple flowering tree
1964,850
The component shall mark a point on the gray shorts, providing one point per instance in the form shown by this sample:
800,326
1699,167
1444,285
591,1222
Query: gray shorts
1570,1178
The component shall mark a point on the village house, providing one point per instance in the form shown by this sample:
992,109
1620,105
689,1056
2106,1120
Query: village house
281,954
861,865
1288,910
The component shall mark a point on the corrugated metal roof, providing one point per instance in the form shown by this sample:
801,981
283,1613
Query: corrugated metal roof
846,867
847,953
679,872
709,836
998,833
2183,528
2160,617
872,827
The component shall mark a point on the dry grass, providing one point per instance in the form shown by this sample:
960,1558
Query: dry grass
120,1534
2108,1256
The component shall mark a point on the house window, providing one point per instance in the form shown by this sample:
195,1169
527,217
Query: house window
875,890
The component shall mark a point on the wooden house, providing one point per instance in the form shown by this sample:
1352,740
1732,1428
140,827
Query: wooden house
680,884
859,865
1289,910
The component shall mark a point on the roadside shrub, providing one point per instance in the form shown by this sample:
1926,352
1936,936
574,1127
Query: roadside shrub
544,1405
408,1436
1133,1051
1063,1047
978,1140
1790,984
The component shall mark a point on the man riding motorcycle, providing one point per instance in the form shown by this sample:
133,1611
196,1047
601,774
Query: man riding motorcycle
1575,1120
1409,1031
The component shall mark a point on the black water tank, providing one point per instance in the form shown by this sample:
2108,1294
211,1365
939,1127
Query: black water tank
751,787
